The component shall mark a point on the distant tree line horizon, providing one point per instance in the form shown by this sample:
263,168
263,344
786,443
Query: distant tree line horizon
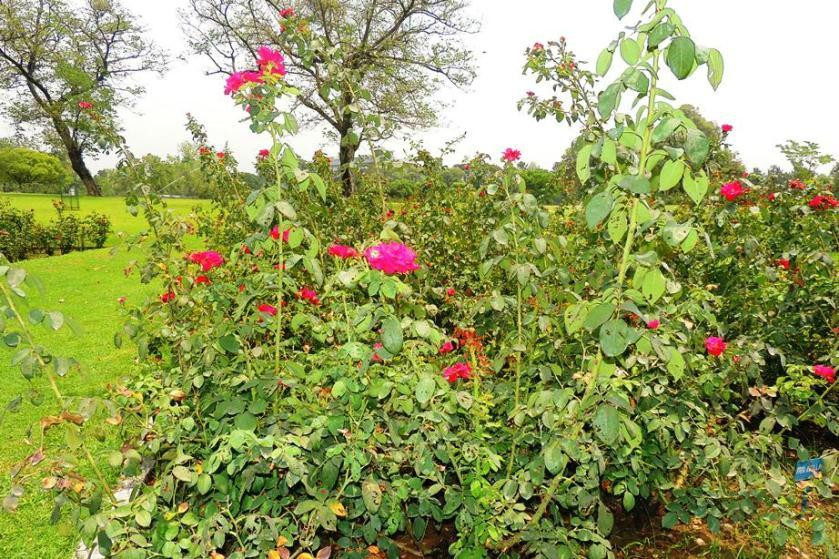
26,169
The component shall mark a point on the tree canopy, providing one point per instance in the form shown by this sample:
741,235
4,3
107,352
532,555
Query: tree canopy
384,59
22,167
66,69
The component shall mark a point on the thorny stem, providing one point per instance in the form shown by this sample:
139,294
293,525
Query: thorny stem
53,384
519,329
642,169
506,544
278,330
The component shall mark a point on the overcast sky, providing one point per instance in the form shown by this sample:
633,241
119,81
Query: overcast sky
781,79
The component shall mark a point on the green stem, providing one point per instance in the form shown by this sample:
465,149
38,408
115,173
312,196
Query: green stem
53,384
506,544
819,401
627,248
278,332
519,340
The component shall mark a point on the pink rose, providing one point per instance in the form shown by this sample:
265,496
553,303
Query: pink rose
715,346
447,347
391,258
511,155
732,190
270,61
275,233
457,371
343,251
207,259
267,309
309,294
827,373
238,80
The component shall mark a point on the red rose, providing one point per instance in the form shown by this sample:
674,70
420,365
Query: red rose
715,346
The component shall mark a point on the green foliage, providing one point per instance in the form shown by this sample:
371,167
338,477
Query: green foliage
805,157
523,386
176,175
23,169
21,236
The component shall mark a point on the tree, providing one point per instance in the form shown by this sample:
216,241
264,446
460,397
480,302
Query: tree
174,175
805,157
351,59
24,167
65,67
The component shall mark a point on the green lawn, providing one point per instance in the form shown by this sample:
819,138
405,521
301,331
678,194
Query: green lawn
84,286
112,206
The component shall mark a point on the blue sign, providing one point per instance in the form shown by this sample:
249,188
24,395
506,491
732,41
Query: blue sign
807,469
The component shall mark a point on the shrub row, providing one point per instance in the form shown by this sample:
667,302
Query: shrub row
22,237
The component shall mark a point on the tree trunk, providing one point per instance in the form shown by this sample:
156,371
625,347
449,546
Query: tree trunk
76,156
79,166
346,155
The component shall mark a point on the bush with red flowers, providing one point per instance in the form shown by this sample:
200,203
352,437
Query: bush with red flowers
331,376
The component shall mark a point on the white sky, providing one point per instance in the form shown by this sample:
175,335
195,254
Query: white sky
781,79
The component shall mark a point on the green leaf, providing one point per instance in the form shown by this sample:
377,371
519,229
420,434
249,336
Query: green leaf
604,62
614,337
371,494
659,34
142,518
555,459
676,364
695,188
204,483
681,56
716,68
425,389
392,335
12,339
607,423
622,7
598,208
697,147
609,99
605,520
669,520
183,473
690,241
671,174
617,226
583,165
609,153
665,129
653,285
675,233
574,317
636,184
598,315
628,501
637,81
229,343
630,51
15,277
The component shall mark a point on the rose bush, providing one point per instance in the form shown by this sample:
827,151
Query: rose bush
336,376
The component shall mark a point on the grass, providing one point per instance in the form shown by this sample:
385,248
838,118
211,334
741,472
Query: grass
112,206
84,286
